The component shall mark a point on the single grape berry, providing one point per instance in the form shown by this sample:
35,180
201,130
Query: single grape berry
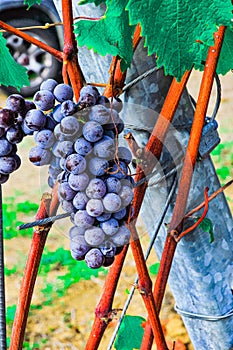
48,84
44,100
16,103
63,92
94,207
78,182
7,118
94,236
35,120
94,258
112,202
96,188
75,163
93,131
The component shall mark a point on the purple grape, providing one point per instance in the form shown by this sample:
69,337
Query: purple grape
112,202
57,114
18,161
113,184
28,106
5,147
116,104
44,138
75,163
99,114
16,103
126,194
103,217
69,126
67,206
94,258
82,146
94,207
63,92
103,100
44,100
7,118
48,84
7,165
59,135
25,129
62,149
98,166
80,200
124,154
2,132
119,171
122,236
66,192
88,96
83,219
14,134
108,261
108,251
114,120
121,214
76,232
3,178
35,120
110,227
105,148
50,122
39,156
79,248
93,131
96,189
68,107
54,172
94,236
78,182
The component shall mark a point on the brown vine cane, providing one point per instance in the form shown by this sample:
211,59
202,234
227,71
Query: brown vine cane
48,206
186,177
104,306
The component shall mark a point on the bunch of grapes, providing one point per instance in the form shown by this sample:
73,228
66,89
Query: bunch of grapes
16,121
80,144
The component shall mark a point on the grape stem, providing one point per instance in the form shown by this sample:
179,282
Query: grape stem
56,53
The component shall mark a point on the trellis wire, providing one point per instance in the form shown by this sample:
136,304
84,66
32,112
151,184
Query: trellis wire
2,283
112,340
139,78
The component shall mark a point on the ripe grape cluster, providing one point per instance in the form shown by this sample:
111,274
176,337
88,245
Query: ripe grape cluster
79,143
14,126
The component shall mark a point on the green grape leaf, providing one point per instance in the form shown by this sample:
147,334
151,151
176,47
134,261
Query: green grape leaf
96,2
207,226
109,35
225,62
174,30
130,333
11,73
30,3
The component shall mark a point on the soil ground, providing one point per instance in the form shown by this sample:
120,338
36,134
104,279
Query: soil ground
67,323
